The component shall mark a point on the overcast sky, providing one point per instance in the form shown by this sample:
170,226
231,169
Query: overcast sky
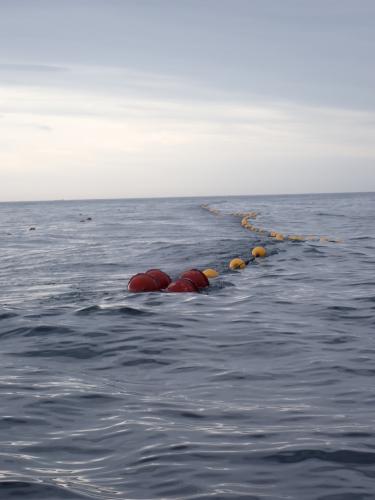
128,98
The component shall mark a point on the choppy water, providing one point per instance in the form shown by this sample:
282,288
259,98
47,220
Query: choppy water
262,388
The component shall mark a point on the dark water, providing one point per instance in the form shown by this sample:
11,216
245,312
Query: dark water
264,387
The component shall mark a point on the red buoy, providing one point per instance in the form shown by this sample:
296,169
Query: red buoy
181,286
142,282
160,277
197,277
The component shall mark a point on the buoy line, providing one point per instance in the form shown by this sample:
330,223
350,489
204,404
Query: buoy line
194,280
246,224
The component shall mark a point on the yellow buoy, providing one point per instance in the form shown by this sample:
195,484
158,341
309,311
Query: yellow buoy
279,237
237,264
259,252
211,273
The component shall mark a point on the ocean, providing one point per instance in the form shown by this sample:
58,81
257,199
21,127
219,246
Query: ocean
260,387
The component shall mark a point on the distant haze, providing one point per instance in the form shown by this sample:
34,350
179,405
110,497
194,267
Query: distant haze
120,98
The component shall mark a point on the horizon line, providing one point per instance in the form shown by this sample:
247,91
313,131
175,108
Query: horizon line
62,200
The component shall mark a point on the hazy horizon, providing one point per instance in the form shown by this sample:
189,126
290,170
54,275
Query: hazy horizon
62,200
156,98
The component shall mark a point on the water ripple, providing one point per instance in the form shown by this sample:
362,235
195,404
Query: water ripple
259,388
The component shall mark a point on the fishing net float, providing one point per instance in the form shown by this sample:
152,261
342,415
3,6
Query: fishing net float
237,263
211,273
156,280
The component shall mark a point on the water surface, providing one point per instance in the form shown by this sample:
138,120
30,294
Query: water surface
263,387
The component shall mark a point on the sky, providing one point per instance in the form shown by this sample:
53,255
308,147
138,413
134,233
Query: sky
149,98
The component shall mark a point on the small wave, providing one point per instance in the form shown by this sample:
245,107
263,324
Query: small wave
7,315
145,361
10,422
34,331
111,310
361,238
75,351
342,308
326,214
345,456
37,490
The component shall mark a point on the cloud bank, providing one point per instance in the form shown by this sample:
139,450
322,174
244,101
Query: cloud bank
80,126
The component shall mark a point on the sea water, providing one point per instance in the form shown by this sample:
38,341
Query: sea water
262,387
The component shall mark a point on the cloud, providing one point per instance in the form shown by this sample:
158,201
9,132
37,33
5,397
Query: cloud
38,68
123,141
